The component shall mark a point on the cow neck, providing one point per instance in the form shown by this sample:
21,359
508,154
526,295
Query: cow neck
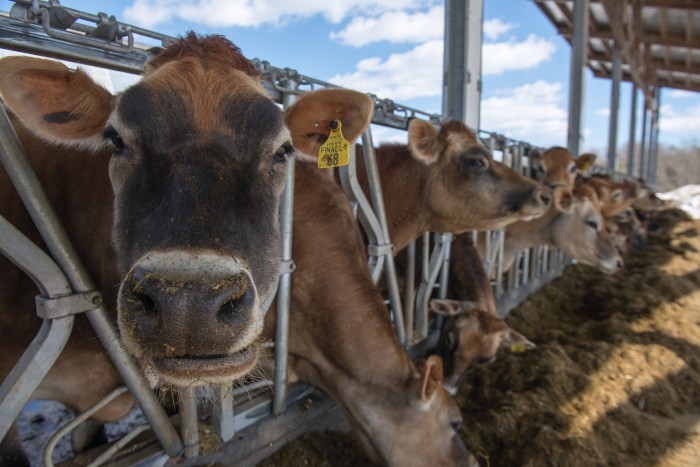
403,180
527,234
340,324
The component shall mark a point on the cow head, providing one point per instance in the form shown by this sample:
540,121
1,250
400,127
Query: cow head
557,167
470,337
409,426
615,196
197,170
582,235
465,188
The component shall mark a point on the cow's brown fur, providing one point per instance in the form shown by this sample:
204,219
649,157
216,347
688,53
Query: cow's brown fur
557,167
433,184
341,338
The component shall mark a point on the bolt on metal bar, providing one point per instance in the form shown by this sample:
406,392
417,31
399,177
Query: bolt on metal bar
37,203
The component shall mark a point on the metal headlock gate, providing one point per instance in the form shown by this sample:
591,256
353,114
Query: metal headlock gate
49,29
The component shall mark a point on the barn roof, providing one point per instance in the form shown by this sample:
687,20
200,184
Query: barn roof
659,39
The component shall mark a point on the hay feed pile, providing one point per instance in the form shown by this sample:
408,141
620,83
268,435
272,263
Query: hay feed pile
614,380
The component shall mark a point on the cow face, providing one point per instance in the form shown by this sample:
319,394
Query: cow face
614,196
410,427
197,172
557,167
582,235
471,337
465,188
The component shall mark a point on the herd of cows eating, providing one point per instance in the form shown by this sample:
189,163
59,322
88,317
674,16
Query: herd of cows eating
171,192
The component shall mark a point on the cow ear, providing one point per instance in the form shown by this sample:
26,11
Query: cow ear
563,200
536,155
516,341
451,307
57,104
585,161
432,375
423,141
309,119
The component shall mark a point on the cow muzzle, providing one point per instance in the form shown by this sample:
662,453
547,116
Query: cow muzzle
193,316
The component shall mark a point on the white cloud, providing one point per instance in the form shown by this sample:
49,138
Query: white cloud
494,28
394,26
685,123
532,112
416,73
679,94
250,13
604,112
499,57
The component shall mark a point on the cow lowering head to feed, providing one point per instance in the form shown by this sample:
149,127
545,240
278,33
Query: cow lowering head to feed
196,155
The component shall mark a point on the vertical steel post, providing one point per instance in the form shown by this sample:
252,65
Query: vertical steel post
188,415
643,146
456,75
631,150
654,139
614,109
579,50
284,290
409,290
56,239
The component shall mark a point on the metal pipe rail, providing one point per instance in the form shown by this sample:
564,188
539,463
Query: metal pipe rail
37,203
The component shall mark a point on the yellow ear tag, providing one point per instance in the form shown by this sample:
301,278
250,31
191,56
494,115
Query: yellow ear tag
335,152
586,166
517,347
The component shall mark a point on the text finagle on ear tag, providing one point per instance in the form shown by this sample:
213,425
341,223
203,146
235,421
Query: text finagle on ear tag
335,152
517,347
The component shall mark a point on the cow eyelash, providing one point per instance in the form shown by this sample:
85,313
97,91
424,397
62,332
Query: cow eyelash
111,134
285,150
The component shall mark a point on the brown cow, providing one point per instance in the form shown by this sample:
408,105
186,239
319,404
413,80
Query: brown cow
614,196
195,155
342,340
580,233
446,181
557,167
471,336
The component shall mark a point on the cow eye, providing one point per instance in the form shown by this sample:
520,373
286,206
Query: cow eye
540,169
593,225
457,424
469,164
117,142
572,169
283,152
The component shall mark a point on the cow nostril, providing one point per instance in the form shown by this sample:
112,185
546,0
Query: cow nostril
545,198
237,307
620,264
149,305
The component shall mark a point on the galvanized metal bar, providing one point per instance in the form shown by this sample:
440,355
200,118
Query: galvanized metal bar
499,264
643,146
425,289
455,52
48,450
18,387
614,109
445,271
654,146
375,191
284,294
222,414
632,149
121,443
579,48
376,238
35,200
409,290
188,421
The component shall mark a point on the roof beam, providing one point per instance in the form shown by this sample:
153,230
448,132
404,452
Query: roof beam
683,4
661,81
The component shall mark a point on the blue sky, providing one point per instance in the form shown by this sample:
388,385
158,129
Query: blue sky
393,48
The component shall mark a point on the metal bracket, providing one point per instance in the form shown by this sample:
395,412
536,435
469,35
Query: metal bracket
288,267
380,250
60,307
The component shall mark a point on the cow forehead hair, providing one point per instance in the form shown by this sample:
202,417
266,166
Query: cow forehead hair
211,50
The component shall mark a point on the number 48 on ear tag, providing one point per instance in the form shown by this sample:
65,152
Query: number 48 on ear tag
335,152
